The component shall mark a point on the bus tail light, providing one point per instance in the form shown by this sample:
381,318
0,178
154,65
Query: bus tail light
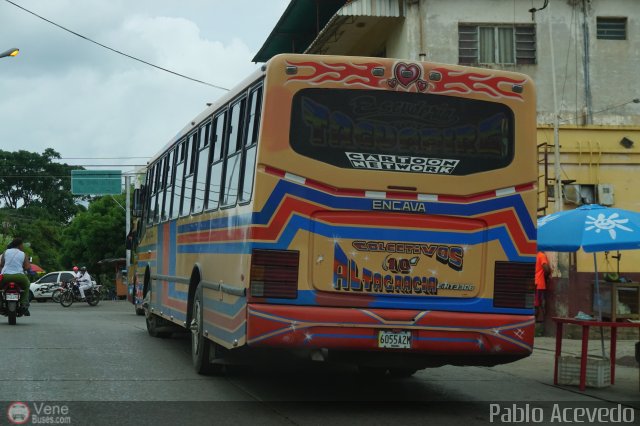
514,284
274,274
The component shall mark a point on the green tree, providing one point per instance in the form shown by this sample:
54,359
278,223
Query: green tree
37,185
95,234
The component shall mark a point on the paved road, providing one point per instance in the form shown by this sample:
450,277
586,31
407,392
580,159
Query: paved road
104,354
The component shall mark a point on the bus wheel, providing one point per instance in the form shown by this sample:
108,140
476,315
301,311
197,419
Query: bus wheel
202,349
402,373
152,327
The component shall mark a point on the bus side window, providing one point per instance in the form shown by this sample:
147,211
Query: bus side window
157,187
215,175
151,199
251,143
171,182
190,167
234,154
202,167
178,181
166,187
162,180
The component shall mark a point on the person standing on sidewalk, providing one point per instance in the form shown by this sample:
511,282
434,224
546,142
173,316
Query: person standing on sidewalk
543,274
13,264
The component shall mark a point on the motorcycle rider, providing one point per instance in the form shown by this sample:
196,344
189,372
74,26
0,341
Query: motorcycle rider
84,281
13,264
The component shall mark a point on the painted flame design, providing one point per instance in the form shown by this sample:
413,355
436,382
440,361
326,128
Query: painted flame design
346,73
468,82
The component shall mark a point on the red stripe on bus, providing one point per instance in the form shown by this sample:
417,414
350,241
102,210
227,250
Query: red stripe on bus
224,322
509,219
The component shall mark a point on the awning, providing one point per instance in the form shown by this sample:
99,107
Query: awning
359,28
298,27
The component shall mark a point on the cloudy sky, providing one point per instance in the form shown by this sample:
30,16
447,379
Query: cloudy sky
84,101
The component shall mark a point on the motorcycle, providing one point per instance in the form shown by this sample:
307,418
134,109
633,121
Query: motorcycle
71,293
10,301
55,295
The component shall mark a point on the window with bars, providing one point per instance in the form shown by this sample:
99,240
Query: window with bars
611,28
496,44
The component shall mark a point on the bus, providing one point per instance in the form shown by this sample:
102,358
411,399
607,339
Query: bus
372,211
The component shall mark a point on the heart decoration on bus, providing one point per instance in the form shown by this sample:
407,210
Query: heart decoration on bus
406,75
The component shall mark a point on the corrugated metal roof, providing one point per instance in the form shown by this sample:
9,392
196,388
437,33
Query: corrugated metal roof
379,8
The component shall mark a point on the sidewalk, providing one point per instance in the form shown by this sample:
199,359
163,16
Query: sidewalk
539,367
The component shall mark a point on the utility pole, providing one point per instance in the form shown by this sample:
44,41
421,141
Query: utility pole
556,131
127,183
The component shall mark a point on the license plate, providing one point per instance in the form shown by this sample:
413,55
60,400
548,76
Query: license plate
12,296
394,339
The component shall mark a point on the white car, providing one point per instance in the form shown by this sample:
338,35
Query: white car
41,290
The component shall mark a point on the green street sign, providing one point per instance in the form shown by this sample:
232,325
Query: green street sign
96,182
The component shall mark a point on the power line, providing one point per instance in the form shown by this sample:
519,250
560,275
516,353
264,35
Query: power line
115,50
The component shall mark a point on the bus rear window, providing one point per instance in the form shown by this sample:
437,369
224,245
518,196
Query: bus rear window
401,132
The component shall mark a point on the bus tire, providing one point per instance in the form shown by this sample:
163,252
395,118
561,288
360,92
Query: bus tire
152,327
202,349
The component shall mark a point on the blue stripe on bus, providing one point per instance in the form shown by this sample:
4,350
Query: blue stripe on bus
226,335
169,311
229,309
284,188
174,293
221,222
423,303
298,223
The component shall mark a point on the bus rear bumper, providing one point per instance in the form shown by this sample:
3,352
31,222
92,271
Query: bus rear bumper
444,337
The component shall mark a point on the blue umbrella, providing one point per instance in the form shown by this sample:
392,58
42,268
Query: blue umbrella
592,228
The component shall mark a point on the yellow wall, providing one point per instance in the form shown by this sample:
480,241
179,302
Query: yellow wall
594,155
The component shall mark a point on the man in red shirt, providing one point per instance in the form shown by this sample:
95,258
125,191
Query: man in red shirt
543,273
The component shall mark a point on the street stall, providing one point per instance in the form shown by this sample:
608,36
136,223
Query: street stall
592,228
118,264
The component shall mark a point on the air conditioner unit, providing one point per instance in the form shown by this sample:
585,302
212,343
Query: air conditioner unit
571,194
579,194
605,194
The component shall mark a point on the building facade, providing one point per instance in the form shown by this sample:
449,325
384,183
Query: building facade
590,47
